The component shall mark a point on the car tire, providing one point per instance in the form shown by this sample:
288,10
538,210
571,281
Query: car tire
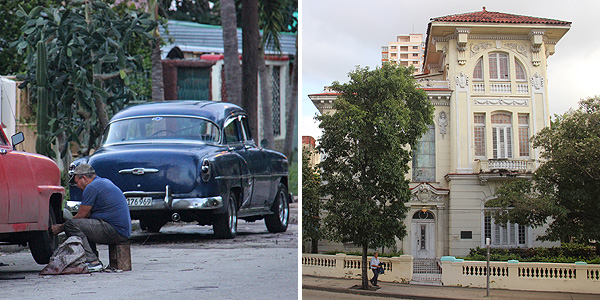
278,221
43,243
225,225
152,225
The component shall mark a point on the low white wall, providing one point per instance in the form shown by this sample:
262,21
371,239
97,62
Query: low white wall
397,269
577,278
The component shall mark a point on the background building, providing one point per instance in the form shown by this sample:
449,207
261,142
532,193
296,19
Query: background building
485,73
407,50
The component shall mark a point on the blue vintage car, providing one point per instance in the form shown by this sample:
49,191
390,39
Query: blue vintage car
191,161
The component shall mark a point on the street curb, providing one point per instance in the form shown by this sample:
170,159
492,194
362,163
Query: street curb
377,293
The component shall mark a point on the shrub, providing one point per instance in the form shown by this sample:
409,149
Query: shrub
567,253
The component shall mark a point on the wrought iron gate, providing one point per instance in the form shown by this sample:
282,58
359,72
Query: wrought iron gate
427,271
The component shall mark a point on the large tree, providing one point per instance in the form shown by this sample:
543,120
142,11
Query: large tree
232,67
311,203
250,59
378,114
564,189
89,66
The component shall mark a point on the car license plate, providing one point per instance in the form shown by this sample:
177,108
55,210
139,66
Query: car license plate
139,201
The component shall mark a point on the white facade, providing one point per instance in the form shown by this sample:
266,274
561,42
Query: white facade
487,81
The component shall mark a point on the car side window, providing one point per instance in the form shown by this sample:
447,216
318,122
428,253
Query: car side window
232,131
247,131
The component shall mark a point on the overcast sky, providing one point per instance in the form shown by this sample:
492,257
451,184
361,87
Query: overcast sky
337,35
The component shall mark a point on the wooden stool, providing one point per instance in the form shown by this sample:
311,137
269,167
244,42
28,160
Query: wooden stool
120,256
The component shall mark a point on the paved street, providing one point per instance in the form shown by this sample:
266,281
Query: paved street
180,262
314,288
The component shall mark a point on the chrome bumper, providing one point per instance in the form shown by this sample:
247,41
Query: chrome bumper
169,202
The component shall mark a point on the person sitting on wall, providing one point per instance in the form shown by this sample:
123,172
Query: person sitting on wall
103,216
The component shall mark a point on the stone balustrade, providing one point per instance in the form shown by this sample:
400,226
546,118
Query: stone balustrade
576,277
518,165
514,275
397,269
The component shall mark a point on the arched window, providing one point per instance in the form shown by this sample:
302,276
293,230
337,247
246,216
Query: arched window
519,71
498,66
478,71
502,135
423,215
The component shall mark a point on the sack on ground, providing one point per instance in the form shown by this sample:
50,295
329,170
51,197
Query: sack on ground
69,258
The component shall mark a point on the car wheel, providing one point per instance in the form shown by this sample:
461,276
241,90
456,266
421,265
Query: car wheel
152,225
278,221
43,243
225,225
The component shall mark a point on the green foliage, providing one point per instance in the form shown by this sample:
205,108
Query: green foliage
378,114
88,64
293,180
564,189
311,201
566,253
11,63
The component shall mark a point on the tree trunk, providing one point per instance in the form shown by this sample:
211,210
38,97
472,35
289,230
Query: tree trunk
158,91
266,97
250,55
365,273
314,246
233,70
292,110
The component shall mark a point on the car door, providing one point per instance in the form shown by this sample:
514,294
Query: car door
234,139
20,192
261,165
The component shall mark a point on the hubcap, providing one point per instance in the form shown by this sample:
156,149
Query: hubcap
232,217
283,208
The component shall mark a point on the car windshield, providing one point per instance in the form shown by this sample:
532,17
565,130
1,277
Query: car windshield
144,129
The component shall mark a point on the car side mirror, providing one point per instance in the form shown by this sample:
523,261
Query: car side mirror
17,138
264,143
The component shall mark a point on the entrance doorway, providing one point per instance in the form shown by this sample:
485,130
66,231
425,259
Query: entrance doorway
423,234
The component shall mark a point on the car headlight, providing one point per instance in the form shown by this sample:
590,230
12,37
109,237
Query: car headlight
205,170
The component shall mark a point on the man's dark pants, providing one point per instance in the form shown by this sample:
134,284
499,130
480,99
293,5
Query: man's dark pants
92,231
375,275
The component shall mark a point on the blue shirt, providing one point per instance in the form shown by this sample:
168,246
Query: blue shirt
108,204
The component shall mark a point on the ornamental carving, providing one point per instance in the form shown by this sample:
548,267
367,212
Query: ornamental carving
537,81
462,80
475,48
520,48
425,193
442,123
501,101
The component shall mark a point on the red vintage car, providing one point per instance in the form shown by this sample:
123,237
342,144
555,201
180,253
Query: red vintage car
30,199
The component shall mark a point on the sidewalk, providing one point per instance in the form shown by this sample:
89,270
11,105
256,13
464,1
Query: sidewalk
425,292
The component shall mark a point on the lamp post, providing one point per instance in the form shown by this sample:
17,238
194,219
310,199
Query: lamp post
487,269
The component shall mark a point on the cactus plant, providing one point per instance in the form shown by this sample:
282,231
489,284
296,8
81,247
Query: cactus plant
42,145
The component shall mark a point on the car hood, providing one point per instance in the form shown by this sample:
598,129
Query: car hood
150,167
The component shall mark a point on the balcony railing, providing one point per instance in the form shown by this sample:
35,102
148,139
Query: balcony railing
479,87
522,88
506,164
500,88
503,88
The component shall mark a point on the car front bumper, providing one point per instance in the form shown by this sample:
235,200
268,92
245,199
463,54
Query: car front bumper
165,201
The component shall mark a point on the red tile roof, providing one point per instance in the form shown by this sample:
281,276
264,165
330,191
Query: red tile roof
485,16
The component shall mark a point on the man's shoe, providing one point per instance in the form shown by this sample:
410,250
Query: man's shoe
94,267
